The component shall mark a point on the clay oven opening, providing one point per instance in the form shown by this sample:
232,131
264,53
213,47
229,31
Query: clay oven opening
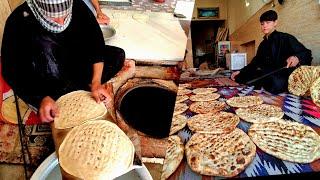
148,109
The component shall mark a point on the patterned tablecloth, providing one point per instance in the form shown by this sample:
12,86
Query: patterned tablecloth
298,109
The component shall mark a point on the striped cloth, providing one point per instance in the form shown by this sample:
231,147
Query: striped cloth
45,10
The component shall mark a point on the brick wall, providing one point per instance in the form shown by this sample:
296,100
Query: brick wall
300,18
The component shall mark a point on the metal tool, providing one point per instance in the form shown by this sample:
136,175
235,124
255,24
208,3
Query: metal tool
266,75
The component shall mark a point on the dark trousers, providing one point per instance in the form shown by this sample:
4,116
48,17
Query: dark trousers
113,62
275,83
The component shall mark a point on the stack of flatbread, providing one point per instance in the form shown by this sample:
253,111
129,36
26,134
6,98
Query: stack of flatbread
76,108
301,80
286,140
96,150
174,156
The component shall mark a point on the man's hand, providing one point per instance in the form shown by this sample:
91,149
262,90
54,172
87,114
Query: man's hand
48,110
101,92
234,74
102,18
292,61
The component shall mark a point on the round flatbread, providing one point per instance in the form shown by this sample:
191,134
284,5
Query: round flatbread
143,18
180,108
185,85
300,80
76,108
204,97
183,91
244,101
260,113
287,140
174,156
214,123
223,155
204,90
203,107
182,98
315,92
96,150
178,122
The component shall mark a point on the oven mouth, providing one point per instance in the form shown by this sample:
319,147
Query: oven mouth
148,109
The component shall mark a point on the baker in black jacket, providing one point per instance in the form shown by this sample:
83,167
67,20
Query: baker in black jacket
52,47
277,50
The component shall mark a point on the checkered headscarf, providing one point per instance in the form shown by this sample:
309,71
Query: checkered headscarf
43,9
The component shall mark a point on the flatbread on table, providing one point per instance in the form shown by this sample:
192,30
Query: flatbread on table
244,101
287,140
180,108
178,122
300,80
203,107
183,91
96,150
260,113
214,123
224,155
174,156
315,92
76,108
204,97
204,90
181,98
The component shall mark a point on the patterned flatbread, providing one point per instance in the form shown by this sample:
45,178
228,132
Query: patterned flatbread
214,123
315,92
204,90
260,113
286,140
204,97
224,155
300,80
203,107
244,101
183,91
178,122
76,108
185,85
180,108
182,98
96,150
174,156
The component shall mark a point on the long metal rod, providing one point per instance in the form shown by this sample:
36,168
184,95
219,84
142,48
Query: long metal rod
22,141
264,76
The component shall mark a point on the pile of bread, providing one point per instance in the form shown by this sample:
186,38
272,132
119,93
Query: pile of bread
94,148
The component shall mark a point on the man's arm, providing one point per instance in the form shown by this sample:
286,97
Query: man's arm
101,17
303,55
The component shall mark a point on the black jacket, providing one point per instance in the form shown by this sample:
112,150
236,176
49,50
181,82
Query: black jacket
37,63
273,52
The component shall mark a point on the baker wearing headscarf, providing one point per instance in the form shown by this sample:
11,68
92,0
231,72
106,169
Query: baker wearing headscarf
47,10
53,47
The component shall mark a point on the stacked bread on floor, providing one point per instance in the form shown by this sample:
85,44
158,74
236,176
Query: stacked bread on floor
94,148
218,148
